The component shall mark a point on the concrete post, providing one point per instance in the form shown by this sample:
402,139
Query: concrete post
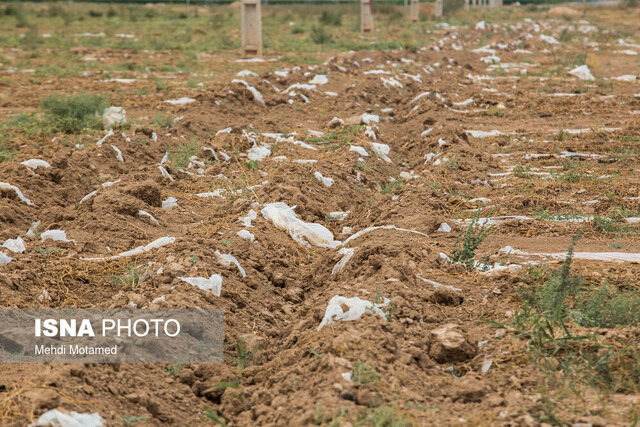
415,10
251,17
366,16
438,8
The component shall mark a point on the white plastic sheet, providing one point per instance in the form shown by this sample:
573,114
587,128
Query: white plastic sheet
213,283
327,182
307,234
257,96
113,116
56,236
259,153
357,307
319,79
182,101
360,150
582,72
55,418
382,150
158,243
35,164
246,220
118,153
15,245
369,118
346,253
148,215
244,234
228,259
5,259
169,203
587,256
6,186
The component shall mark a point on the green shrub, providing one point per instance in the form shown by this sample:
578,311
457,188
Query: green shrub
74,113
330,18
319,35
607,307
550,299
473,238
612,365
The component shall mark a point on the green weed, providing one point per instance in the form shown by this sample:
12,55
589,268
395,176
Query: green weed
162,120
474,235
392,186
128,419
181,157
363,374
320,35
73,114
130,277
245,356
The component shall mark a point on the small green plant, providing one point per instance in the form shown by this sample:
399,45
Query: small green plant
128,419
611,225
36,227
329,419
314,354
130,277
550,299
363,166
74,113
330,18
389,309
342,136
245,356
320,35
453,164
561,217
214,416
174,368
607,307
5,152
43,251
521,171
391,186
252,164
363,374
474,235
181,157
161,85
495,112
572,172
162,120
192,83
383,416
